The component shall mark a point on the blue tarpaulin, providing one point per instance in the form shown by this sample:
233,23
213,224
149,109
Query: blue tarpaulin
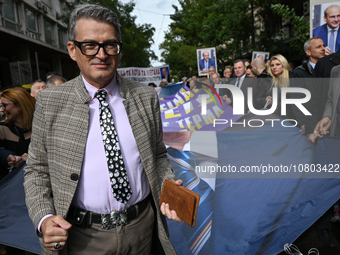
258,215
239,214
16,228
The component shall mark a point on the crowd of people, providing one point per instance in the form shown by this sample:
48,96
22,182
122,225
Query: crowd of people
263,76
17,109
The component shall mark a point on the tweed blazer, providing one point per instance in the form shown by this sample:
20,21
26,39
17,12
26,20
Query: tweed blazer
333,97
59,133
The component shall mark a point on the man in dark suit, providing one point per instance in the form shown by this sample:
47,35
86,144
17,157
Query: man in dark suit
166,75
242,81
85,133
206,63
329,32
302,75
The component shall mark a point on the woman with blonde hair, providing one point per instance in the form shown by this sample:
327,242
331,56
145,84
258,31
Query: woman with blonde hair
279,69
15,132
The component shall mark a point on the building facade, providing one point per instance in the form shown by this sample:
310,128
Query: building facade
33,41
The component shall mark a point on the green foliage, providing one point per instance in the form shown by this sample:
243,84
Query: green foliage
227,25
235,28
137,39
299,25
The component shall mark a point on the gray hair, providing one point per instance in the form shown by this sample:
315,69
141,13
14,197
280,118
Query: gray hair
217,75
32,86
93,11
306,46
50,82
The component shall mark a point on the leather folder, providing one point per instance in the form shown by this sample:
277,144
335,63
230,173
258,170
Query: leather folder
182,200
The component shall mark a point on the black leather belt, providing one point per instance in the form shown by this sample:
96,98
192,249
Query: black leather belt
85,218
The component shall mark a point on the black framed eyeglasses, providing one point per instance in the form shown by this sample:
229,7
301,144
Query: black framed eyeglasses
92,48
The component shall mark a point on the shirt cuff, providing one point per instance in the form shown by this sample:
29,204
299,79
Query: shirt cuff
41,221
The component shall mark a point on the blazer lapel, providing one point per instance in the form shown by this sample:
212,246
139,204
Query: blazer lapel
138,118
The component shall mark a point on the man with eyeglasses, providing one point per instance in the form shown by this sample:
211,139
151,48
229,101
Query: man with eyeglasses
97,160
226,75
329,32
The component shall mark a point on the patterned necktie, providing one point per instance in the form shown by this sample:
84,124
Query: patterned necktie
197,238
118,177
331,41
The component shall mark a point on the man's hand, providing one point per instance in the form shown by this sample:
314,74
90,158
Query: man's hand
165,209
328,51
311,137
320,129
303,130
16,161
55,229
323,126
270,100
226,99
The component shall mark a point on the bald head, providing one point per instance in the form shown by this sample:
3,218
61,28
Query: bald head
206,55
259,62
257,66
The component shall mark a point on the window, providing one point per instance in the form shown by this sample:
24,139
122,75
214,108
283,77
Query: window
47,2
62,35
48,32
31,19
11,15
57,6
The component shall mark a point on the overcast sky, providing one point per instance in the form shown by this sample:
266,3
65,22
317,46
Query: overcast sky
156,13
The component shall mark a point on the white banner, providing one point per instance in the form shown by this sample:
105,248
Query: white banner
144,75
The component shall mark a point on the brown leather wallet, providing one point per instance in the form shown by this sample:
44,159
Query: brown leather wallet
182,200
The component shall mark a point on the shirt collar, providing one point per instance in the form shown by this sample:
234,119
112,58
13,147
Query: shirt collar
335,29
242,77
312,64
110,88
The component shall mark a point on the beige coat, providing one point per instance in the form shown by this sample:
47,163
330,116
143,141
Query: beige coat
333,96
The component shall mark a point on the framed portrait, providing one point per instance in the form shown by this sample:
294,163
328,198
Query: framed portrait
165,73
256,54
325,24
206,58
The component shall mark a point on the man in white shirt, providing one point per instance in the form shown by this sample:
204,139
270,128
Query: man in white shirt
242,81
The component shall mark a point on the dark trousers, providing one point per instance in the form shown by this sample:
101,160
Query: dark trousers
135,238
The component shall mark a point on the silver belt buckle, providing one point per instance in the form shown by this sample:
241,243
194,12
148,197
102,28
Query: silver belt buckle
113,219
